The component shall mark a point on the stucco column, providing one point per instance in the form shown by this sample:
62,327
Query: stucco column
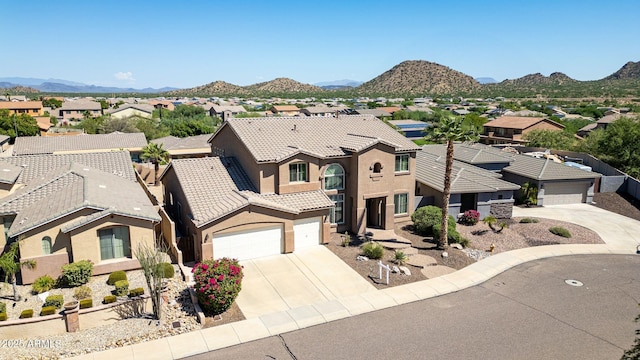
289,244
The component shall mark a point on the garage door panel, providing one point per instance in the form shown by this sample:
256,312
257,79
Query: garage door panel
249,244
564,193
306,232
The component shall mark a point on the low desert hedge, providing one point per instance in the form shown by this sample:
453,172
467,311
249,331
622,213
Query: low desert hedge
529,221
167,270
26,314
136,292
560,231
54,300
43,284
86,303
372,250
116,276
3,316
47,310
82,292
77,273
3,307
122,287
109,299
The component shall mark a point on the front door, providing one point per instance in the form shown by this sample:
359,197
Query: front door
468,202
375,212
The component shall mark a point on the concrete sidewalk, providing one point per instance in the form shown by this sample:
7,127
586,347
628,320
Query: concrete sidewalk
620,234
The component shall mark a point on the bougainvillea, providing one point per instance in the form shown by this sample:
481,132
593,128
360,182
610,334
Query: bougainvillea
470,217
217,284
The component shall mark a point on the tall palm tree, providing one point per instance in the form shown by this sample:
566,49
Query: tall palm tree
449,129
157,155
10,264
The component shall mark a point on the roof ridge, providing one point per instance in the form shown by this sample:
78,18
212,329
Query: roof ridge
544,167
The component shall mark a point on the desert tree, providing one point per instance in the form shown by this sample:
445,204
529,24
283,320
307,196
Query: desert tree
151,258
157,155
10,264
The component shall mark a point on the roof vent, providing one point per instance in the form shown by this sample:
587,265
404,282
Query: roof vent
6,170
295,127
136,208
102,186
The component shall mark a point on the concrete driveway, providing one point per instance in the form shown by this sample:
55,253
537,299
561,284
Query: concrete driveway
282,282
616,230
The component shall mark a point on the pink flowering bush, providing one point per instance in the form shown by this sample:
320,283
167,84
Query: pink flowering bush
470,217
217,284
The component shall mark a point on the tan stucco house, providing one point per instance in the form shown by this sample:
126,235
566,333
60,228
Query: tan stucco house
65,208
511,129
278,184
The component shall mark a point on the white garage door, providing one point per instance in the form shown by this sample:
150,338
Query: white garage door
565,193
306,232
250,244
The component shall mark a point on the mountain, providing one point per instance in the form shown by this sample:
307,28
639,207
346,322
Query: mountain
283,85
65,86
338,83
537,79
16,89
419,77
630,70
214,88
35,81
486,80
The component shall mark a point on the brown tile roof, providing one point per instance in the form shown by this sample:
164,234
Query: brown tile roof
20,105
80,105
30,145
518,122
44,122
275,139
175,145
215,187
279,108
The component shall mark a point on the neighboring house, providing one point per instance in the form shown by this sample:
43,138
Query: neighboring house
44,124
76,110
31,108
380,114
162,104
510,129
326,111
285,183
31,145
128,110
66,210
482,156
389,109
285,110
188,147
602,123
472,188
412,129
224,111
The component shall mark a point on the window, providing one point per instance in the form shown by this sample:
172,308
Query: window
114,243
402,163
46,245
377,167
400,204
334,177
8,221
336,215
298,172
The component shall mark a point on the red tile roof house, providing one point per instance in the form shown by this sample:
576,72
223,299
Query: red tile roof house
510,129
281,184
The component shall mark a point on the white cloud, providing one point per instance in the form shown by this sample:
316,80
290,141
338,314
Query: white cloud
125,76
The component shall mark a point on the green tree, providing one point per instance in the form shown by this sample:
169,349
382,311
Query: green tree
24,124
52,103
157,155
449,129
10,265
125,125
91,125
151,128
476,121
550,139
619,146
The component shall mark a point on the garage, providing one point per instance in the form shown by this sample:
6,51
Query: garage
565,193
249,244
306,232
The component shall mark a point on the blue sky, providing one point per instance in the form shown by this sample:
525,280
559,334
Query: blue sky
189,43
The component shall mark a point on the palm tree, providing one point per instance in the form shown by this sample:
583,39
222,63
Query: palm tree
10,264
157,155
449,129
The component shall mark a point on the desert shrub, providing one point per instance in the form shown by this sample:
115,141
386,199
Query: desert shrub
425,217
136,292
560,231
116,276
82,292
400,257
42,284
86,303
453,236
529,221
167,270
372,250
3,316
491,221
47,310
26,313
470,217
109,299
77,273
217,284
346,239
3,307
53,300
122,287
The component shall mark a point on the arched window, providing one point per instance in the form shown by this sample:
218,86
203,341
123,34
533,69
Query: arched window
46,245
377,167
334,177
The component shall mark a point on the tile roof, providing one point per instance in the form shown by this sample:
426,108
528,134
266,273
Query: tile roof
215,187
34,167
518,122
141,107
219,109
546,169
465,178
80,105
279,108
71,188
322,109
472,153
15,105
184,145
29,145
275,139
374,112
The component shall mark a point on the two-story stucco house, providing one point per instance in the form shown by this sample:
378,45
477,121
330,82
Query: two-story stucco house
278,184
510,129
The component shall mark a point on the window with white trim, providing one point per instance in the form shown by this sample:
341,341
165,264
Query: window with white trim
334,177
336,214
114,243
46,245
402,163
401,204
298,172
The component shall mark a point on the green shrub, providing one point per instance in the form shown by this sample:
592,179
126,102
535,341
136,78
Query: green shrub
373,250
167,270
54,300
77,273
116,276
86,303
26,313
3,316
345,239
400,257
122,287
136,292
3,307
529,221
47,310
470,217
425,217
217,284
82,292
109,299
42,284
560,231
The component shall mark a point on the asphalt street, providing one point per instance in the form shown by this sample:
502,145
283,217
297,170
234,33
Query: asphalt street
569,307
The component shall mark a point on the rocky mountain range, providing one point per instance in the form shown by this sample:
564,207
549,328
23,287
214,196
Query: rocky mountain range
65,86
